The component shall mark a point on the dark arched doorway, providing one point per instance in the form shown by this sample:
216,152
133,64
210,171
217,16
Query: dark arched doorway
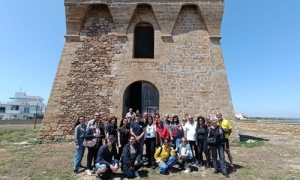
141,95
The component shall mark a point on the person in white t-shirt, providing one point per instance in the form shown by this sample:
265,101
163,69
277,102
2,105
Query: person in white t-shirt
131,114
150,141
190,134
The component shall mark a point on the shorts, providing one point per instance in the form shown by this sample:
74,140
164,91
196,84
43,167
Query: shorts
227,143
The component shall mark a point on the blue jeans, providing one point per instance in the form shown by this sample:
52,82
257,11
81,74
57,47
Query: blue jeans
163,166
141,145
130,173
215,150
98,165
78,154
177,141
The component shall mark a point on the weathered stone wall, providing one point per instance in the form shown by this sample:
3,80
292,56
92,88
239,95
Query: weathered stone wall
187,69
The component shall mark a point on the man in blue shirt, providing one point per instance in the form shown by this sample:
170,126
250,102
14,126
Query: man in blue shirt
137,129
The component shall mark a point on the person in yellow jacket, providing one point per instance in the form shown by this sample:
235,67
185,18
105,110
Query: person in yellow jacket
165,157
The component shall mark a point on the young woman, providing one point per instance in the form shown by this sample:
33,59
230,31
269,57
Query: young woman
165,157
184,155
216,142
201,131
80,129
176,131
156,118
150,141
96,134
123,134
162,133
131,159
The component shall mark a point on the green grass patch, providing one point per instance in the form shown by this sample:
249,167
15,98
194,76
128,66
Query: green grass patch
255,144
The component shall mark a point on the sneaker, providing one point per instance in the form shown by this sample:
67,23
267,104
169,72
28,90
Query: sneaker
88,172
136,174
187,170
75,171
170,170
231,169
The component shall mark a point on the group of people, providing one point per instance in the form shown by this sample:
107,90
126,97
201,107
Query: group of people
168,141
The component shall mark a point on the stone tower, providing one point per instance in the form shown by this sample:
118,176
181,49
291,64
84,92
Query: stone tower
163,55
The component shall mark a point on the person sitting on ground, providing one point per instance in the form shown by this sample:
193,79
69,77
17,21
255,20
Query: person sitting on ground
184,155
165,157
216,142
131,158
104,163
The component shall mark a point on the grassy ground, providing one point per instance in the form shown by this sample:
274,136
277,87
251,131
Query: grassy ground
271,156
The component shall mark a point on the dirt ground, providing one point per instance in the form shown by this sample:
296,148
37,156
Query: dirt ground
275,154
278,156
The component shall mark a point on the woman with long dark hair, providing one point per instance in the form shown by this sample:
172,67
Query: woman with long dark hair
123,134
79,131
201,131
162,133
150,141
176,131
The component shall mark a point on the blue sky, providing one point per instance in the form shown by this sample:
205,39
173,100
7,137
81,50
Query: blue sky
260,46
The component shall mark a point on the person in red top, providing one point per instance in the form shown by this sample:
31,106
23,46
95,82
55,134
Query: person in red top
156,118
162,133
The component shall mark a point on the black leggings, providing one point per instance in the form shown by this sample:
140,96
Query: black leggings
202,147
92,154
150,150
195,148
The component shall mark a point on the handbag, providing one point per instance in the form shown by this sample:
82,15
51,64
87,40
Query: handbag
89,143
211,139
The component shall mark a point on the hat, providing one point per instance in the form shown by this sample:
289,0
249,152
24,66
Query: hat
111,137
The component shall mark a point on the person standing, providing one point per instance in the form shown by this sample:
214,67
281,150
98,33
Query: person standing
150,141
202,140
137,129
96,134
80,129
227,130
216,142
124,132
190,135
131,114
176,132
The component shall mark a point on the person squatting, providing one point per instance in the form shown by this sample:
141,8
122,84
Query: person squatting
168,141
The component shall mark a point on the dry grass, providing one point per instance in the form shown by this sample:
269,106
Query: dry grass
272,156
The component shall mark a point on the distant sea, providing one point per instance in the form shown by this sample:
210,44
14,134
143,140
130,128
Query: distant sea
275,120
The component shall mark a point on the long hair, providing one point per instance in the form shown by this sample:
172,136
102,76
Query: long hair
147,121
200,118
173,121
77,121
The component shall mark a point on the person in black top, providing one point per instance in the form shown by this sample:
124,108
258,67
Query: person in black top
93,133
105,164
123,134
201,132
216,142
137,129
131,159
111,128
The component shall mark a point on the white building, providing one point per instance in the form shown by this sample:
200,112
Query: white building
22,106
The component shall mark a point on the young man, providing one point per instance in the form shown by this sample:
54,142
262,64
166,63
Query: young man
104,163
227,129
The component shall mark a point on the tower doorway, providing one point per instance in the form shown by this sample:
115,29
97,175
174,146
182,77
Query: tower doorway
142,96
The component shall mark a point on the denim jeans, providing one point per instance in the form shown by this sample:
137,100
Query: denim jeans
78,154
130,173
163,166
141,145
220,149
177,141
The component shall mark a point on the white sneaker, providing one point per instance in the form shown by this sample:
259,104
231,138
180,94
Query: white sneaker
88,172
136,174
187,170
